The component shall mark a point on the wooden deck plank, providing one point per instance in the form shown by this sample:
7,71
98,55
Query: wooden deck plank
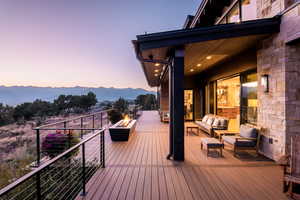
138,169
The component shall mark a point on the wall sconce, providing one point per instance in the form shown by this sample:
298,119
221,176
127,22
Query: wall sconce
265,82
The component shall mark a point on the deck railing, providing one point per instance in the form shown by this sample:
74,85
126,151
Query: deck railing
74,129
64,176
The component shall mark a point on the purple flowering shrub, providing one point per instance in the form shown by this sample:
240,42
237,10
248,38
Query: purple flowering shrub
56,143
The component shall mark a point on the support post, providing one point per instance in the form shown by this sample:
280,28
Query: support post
101,119
171,138
178,104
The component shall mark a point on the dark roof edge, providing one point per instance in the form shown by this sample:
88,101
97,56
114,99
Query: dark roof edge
185,36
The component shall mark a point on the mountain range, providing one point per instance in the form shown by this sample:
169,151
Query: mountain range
14,95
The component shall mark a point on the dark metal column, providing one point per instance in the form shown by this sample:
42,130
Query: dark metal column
171,138
178,104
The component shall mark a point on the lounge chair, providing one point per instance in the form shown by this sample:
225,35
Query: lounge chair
247,140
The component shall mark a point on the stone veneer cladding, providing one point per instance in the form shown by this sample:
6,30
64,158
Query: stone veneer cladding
279,109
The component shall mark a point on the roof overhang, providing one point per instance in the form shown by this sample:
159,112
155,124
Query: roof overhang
154,50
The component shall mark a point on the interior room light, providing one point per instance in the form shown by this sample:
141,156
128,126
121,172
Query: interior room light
208,57
250,84
156,64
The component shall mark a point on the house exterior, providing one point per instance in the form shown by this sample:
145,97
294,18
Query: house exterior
235,58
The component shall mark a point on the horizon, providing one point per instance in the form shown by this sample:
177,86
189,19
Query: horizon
64,44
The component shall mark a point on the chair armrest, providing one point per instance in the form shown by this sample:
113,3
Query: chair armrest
245,138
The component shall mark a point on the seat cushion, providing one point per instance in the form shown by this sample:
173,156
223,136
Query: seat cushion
210,121
205,118
216,123
248,132
240,143
224,123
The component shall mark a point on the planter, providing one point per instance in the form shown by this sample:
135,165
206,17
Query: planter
118,132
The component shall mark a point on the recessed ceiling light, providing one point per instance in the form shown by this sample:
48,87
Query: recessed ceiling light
199,65
156,70
156,64
191,70
208,57
155,74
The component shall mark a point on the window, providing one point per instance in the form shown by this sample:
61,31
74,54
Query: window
248,10
234,14
228,100
188,105
249,98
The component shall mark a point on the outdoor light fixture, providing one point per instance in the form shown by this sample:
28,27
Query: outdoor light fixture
208,57
155,74
199,65
156,64
265,82
156,70
191,70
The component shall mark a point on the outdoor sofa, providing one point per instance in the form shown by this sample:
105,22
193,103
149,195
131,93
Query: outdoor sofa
248,138
210,122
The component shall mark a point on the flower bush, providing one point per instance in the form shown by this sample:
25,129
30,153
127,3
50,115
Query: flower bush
56,143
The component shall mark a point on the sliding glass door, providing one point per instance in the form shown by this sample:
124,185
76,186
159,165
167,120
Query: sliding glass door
249,98
228,100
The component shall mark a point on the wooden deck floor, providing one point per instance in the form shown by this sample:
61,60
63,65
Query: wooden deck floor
138,169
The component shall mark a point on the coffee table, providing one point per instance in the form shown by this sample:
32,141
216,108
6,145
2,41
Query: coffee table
220,133
212,143
190,128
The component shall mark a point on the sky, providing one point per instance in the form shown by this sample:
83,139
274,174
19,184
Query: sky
66,43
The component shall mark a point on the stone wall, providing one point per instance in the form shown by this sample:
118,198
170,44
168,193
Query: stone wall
279,109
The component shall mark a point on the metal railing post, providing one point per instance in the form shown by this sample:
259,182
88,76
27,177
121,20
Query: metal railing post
38,186
81,126
93,122
65,126
101,120
38,150
103,149
83,170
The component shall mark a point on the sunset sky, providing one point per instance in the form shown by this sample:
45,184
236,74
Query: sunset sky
80,42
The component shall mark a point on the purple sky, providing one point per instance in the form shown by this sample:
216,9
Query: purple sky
81,42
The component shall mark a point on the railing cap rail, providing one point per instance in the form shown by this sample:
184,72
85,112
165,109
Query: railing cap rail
72,119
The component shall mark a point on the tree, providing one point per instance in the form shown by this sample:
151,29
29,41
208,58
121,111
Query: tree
147,101
121,105
6,114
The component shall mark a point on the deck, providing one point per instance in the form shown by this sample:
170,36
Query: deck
138,169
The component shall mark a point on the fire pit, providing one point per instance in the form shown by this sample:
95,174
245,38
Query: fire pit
122,129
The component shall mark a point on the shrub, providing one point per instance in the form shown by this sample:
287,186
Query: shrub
56,143
114,116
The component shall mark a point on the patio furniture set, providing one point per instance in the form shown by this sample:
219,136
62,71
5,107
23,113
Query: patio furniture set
247,138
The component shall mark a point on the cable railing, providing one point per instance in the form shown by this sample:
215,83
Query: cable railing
52,139
64,176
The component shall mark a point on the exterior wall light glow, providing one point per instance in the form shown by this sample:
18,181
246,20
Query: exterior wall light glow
208,57
156,64
265,82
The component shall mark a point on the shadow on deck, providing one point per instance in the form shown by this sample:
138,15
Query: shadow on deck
138,169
